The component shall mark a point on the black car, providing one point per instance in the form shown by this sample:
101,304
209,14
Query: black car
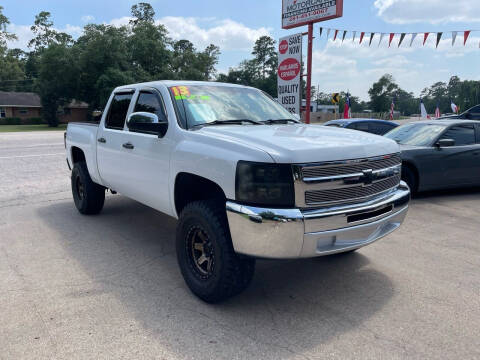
471,114
373,126
439,153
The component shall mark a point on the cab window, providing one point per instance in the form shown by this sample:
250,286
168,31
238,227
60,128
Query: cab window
462,134
117,113
362,126
150,102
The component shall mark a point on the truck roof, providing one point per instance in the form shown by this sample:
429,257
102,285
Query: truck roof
169,83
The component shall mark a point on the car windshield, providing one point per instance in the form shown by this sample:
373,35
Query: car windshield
203,104
335,125
416,134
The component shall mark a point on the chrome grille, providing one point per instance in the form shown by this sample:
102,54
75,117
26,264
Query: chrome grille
347,181
350,168
350,193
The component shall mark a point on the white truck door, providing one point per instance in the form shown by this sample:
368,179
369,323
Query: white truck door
109,142
148,157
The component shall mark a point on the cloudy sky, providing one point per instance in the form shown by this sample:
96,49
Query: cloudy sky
234,26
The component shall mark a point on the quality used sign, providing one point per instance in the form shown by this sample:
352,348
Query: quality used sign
289,72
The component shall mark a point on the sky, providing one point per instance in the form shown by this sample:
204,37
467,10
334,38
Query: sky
235,25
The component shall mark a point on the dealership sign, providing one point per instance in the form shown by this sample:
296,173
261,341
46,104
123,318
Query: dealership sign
290,72
301,12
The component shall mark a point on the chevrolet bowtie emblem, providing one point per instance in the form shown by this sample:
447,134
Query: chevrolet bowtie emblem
367,177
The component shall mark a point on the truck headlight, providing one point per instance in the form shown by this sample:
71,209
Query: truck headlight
264,184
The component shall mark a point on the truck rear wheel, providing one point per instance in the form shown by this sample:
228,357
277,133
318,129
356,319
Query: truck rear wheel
209,265
88,196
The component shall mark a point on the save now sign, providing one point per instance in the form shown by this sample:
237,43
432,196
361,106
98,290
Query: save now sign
289,72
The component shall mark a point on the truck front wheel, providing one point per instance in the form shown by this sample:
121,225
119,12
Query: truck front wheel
88,196
209,265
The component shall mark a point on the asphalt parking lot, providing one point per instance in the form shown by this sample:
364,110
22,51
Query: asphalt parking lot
108,286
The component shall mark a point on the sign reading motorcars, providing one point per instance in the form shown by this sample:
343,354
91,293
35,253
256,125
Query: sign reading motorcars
302,12
289,72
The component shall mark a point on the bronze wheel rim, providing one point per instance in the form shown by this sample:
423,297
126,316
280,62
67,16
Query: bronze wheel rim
201,252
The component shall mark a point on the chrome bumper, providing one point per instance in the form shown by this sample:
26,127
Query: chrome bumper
296,233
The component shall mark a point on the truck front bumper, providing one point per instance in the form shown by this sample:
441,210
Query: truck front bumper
297,233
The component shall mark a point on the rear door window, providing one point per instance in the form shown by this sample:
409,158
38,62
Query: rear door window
462,134
362,126
117,113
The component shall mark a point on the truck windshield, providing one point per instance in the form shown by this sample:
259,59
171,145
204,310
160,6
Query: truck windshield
202,104
416,134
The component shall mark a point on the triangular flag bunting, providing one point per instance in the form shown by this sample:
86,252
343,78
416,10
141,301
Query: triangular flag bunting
381,38
414,35
439,37
371,38
362,34
344,34
402,36
454,37
354,34
321,30
335,36
425,37
465,36
328,33
392,35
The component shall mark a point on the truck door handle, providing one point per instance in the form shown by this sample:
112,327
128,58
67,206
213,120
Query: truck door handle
102,140
128,145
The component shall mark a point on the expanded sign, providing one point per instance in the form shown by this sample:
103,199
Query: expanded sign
290,72
335,98
301,12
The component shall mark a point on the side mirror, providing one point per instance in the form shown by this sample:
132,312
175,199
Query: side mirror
97,113
147,123
445,143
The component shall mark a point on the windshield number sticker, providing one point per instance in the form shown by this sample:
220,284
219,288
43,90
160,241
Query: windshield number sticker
183,93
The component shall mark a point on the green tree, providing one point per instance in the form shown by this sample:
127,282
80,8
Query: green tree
45,34
57,79
265,55
4,34
382,92
142,13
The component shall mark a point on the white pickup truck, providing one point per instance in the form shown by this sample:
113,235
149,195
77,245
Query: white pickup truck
244,178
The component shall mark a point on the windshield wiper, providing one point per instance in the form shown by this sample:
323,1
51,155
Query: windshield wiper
280,121
229,122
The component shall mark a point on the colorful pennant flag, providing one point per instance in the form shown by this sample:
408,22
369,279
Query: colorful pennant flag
425,37
321,30
354,34
335,36
465,36
362,34
439,37
328,33
414,35
402,36
454,37
344,34
371,38
392,35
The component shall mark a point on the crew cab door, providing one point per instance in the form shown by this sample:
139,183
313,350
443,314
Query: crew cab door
147,157
110,135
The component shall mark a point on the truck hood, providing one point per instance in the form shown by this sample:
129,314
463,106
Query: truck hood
299,143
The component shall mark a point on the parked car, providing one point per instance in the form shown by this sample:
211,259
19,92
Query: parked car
244,178
373,126
439,153
471,114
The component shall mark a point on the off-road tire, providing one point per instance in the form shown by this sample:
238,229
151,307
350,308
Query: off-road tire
88,196
230,273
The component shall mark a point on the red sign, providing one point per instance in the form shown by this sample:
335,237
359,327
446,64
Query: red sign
289,69
283,47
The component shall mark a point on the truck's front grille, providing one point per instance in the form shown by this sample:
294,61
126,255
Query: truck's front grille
350,193
354,166
346,181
